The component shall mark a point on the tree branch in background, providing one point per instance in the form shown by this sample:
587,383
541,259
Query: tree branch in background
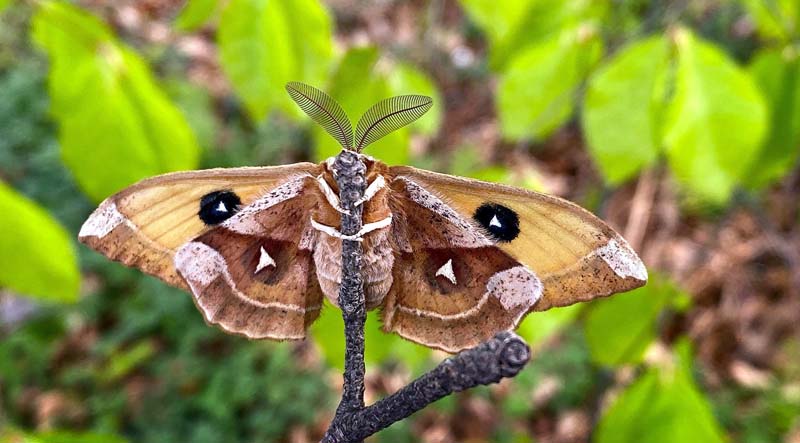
502,356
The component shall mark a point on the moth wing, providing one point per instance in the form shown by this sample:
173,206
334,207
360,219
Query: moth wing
576,255
155,226
452,287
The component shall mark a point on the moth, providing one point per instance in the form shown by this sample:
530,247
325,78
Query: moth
449,261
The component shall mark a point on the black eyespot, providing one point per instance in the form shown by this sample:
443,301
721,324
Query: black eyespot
500,221
218,206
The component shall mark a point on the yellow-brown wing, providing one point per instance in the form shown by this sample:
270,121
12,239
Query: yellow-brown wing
452,287
204,231
576,256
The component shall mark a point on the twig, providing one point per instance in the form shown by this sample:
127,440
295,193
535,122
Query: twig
502,356
349,172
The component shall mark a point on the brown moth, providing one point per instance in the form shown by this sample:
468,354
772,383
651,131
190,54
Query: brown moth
450,261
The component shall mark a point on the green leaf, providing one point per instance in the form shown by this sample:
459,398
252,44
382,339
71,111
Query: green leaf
620,107
407,79
14,436
663,406
520,24
196,104
715,123
195,14
356,86
4,4
776,19
265,44
539,326
620,328
380,347
778,77
116,125
536,94
497,23
36,254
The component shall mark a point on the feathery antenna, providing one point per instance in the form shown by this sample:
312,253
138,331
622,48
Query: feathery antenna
379,120
389,115
324,110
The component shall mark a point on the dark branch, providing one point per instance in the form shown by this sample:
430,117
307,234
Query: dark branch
349,171
502,356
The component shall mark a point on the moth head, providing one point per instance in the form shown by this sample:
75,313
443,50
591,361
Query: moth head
381,119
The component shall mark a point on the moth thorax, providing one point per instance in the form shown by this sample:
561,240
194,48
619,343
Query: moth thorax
376,267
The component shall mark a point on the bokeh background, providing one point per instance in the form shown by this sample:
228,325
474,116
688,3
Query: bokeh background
676,121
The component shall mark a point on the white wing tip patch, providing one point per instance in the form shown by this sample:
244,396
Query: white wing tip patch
622,259
446,271
515,287
102,221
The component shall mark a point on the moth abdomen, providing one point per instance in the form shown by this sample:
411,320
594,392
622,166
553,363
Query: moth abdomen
218,206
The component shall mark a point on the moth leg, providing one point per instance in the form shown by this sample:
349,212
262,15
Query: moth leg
331,196
373,188
366,229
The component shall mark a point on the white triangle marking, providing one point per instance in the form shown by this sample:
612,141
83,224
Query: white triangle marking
446,271
264,261
221,207
495,222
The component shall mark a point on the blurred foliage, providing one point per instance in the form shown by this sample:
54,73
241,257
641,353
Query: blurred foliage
196,14
662,406
527,23
39,246
537,91
162,374
16,436
675,94
710,129
714,123
623,93
619,329
777,73
95,109
102,90
263,44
